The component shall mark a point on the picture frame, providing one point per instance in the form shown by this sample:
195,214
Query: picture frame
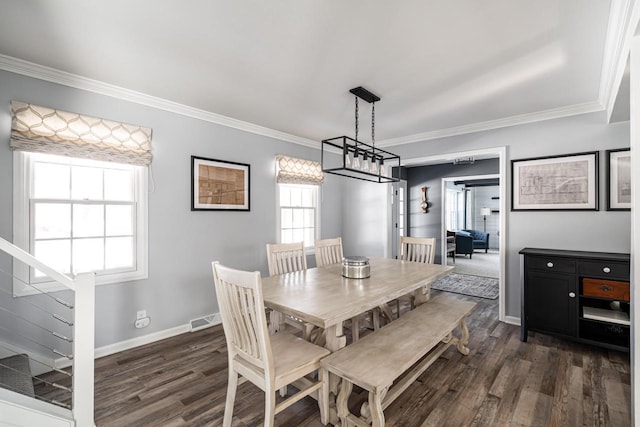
219,185
566,182
619,179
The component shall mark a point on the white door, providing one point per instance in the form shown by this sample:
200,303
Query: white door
399,215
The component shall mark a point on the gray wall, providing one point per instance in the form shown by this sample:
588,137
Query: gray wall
182,243
596,231
429,224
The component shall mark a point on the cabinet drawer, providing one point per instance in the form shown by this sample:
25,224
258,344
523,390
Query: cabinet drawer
605,289
561,265
604,269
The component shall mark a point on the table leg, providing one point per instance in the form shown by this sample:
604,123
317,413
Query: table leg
422,295
276,322
464,338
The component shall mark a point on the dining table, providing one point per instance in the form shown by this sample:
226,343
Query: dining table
324,298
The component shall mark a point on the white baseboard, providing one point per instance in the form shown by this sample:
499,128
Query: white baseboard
512,320
130,343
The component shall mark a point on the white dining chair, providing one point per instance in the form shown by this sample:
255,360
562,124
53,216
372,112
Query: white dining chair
269,362
328,251
416,249
286,257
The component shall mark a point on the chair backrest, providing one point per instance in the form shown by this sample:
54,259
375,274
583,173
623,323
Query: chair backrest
244,321
286,257
328,251
417,249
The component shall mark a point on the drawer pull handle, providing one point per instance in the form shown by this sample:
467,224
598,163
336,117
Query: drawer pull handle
550,264
606,270
572,294
606,288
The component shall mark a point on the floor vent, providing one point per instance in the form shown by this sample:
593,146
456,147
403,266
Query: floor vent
205,322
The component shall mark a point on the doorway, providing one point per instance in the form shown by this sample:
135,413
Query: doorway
472,211
489,153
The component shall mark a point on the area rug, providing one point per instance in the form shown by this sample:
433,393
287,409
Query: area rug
465,284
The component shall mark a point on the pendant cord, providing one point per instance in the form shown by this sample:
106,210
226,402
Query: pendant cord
356,117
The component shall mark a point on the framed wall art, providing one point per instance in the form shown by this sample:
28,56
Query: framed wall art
567,182
619,180
219,185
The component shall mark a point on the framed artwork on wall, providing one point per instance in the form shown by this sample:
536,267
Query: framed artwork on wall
566,182
619,180
219,185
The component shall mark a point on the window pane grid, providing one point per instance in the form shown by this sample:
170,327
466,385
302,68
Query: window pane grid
298,213
83,217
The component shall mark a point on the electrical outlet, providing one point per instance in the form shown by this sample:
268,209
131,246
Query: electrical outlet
142,323
141,314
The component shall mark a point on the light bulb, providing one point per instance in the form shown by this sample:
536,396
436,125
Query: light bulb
356,161
365,163
347,159
382,168
374,165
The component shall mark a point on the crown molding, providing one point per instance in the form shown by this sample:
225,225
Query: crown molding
555,113
53,75
623,20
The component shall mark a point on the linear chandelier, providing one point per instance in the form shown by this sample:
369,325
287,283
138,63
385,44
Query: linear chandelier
359,160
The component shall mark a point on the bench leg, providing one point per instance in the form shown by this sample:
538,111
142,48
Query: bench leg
375,406
343,400
464,338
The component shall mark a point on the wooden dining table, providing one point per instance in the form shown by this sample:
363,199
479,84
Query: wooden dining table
324,298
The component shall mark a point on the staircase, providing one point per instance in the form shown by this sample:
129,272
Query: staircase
15,374
40,334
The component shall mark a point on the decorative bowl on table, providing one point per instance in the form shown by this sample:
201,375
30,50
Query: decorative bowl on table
356,267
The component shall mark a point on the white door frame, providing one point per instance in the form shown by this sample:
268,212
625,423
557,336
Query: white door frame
501,154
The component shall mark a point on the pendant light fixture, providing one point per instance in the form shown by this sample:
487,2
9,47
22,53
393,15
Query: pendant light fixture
358,159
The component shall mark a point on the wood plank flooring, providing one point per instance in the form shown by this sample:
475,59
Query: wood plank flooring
181,381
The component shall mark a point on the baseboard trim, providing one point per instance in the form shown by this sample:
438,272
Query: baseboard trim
512,320
117,347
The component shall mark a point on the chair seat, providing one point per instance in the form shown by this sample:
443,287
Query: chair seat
291,352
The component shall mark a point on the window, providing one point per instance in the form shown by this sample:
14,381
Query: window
298,213
79,215
455,209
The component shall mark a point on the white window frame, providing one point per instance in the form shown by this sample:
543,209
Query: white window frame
22,186
318,197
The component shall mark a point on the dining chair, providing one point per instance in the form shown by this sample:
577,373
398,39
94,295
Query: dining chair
416,249
286,257
269,362
328,251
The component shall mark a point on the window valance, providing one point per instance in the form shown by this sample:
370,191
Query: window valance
292,170
46,130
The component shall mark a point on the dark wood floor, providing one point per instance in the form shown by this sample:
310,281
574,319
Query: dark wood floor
181,381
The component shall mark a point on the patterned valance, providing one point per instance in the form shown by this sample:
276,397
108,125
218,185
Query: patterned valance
298,171
45,130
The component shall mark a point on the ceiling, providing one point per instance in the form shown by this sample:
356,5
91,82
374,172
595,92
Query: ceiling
440,67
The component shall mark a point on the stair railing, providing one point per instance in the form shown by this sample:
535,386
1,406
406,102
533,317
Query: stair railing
83,333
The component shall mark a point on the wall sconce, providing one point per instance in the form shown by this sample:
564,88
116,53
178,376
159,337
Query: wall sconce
425,203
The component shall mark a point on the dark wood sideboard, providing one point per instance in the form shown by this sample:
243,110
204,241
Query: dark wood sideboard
583,296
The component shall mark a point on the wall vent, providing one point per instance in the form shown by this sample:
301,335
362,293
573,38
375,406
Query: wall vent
205,322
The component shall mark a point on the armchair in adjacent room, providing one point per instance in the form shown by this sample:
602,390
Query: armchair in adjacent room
480,239
464,243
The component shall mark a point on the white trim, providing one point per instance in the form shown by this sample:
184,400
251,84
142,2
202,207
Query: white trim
53,75
501,153
117,347
512,320
22,167
635,228
20,410
623,20
554,113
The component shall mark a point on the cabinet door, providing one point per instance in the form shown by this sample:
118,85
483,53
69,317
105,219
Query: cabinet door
550,305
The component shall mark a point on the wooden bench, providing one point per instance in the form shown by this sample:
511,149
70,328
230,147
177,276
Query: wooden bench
408,345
